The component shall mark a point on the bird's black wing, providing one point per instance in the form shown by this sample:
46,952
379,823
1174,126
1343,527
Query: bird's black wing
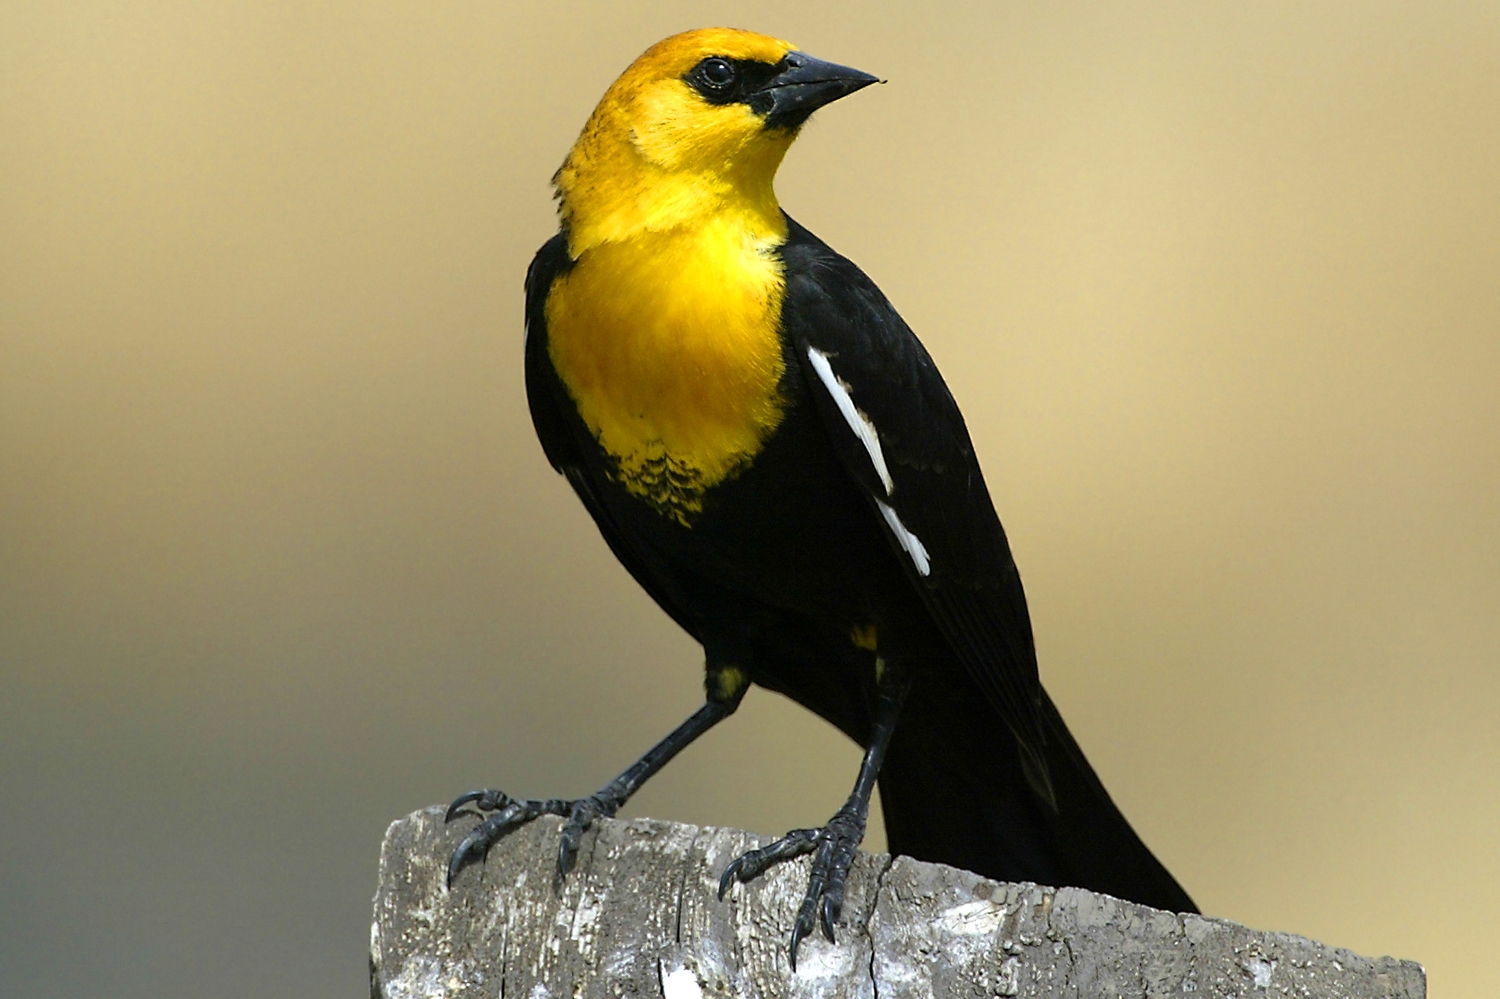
900,434
548,416
561,432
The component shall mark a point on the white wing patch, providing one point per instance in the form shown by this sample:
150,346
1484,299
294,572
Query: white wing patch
906,539
858,422
865,431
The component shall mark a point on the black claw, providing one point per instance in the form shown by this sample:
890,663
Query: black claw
833,846
798,932
461,856
833,898
581,815
567,849
730,873
830,914
479,840
460,802
506,813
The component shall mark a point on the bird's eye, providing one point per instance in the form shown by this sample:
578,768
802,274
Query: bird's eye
717,73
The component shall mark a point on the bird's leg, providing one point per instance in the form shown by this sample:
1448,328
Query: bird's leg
834,845
726,687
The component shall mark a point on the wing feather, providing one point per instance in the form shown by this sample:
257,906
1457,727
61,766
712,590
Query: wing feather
901,436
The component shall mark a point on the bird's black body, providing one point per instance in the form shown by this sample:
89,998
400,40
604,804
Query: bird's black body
795,551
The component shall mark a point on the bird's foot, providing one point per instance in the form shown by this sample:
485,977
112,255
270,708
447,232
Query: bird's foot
506,813
833,847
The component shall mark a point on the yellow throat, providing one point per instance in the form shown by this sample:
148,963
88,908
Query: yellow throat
666,330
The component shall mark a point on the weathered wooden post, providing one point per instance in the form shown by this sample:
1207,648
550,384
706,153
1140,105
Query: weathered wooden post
639,916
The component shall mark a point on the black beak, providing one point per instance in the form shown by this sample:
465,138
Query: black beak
803,85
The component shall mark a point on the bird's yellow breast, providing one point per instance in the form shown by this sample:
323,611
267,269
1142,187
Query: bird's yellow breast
669,344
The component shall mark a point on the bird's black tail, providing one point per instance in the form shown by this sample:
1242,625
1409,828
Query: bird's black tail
953,791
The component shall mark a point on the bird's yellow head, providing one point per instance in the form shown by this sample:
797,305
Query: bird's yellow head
696,127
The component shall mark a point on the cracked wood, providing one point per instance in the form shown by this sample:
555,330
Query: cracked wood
639,916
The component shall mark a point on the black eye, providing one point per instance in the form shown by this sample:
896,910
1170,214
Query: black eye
722,80
717,73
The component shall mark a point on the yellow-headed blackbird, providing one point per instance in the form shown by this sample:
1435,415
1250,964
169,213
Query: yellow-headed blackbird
770,451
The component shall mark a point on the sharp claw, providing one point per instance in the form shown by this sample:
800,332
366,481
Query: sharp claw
506,812
460,802
834,847
798,932
730,873
460,857
581,815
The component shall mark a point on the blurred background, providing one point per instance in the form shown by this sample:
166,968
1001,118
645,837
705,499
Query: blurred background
1216,283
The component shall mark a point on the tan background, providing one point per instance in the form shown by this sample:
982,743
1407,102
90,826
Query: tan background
1217,284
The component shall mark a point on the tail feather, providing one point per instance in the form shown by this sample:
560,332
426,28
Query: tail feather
954,790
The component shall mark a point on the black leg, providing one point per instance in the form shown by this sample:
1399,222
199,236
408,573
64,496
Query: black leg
506,813
835,844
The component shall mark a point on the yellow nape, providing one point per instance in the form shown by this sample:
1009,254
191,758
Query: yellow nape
864,636
666,331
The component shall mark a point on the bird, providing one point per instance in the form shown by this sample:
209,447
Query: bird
772,454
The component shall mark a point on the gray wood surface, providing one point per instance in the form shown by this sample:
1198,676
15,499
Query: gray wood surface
639,916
